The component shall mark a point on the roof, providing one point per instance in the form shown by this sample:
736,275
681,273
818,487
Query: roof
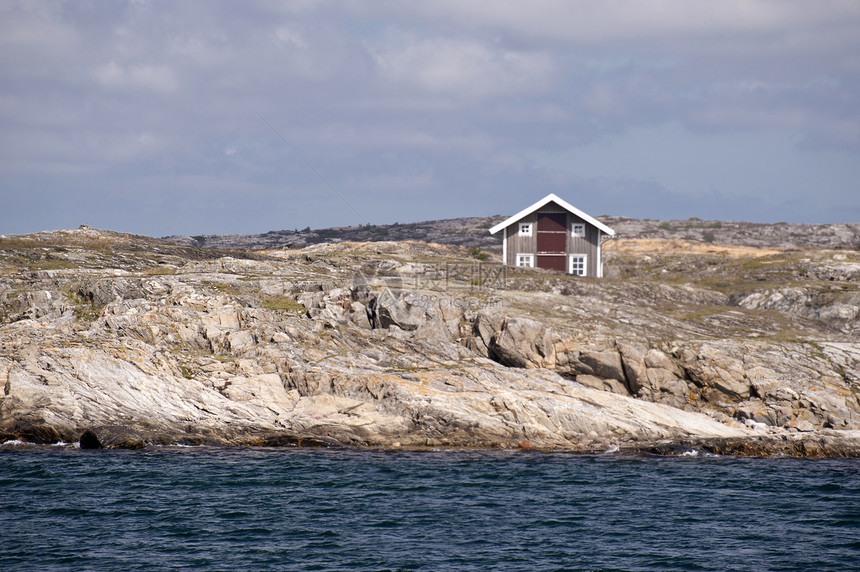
551,198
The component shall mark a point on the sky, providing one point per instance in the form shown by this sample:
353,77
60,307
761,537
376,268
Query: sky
205,117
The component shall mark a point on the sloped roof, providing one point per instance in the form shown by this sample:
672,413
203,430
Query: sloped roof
551,198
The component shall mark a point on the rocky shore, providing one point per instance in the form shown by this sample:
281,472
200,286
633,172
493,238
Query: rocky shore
114,340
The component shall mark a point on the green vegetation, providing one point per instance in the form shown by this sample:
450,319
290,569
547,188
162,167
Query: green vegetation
708,237
228,288
86,309
52,264
477,253
284,303
664,225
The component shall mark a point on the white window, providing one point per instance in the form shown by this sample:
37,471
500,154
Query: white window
526,260
525,229
577,229
577,264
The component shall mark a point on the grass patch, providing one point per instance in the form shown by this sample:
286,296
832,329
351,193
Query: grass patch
664,226
159,271
285,304
698,312
226,287
85,310
59,244
792,336
477,253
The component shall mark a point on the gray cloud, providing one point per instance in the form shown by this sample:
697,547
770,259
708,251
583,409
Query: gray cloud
144,116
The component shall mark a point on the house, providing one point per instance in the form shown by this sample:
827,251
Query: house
554,234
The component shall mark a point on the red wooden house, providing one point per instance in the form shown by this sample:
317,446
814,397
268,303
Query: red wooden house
554,234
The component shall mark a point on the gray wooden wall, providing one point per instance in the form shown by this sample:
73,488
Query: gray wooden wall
575,245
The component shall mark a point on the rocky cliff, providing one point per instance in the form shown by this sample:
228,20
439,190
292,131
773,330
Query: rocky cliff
472,232
122,341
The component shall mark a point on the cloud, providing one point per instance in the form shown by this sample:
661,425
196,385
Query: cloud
613,21
738,64
427,109
392,183
461,67
208,50
290,38
157,78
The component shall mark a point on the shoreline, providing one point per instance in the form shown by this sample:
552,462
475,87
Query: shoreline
813,445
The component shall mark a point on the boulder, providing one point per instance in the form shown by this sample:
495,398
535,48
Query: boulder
602,384
662,380
112,437
31,431
633,362
711,367
401,309
604,363
358,315
655,359
522,342
484,328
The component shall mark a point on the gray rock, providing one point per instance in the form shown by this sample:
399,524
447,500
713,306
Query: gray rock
180,344
111,437
633,362
402,309
522,342
605,364
712,367
602,384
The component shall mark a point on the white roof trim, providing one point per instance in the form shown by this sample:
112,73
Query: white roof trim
562,203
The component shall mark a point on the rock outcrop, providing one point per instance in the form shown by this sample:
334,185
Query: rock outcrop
118,341
472,232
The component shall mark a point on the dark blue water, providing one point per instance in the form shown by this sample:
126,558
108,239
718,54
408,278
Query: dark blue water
213,509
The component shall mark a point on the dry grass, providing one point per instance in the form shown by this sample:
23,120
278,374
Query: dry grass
284,303
680,246
159,271
402,247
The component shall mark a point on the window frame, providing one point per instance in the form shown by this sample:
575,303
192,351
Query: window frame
573,229
525,229
527,256
584,268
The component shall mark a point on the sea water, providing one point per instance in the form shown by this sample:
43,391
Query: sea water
302,509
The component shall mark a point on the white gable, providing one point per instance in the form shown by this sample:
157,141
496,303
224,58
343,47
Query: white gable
560,202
